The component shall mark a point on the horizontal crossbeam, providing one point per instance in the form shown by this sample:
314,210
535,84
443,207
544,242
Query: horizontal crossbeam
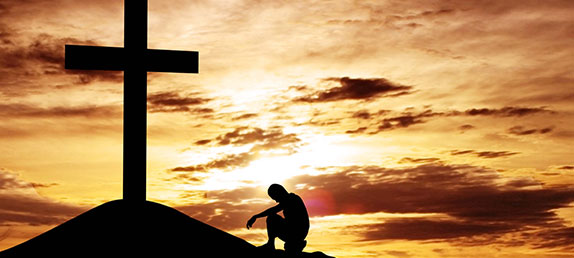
118,59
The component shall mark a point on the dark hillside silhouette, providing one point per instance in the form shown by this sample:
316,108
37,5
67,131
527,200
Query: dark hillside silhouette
130,229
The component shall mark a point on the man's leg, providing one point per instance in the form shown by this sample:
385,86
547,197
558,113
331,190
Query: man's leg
275,228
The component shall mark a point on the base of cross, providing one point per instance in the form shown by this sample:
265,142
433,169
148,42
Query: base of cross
131,228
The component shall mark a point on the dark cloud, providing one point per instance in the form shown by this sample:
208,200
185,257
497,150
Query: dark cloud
170,102
20,204
398,253
365,114
554,237
229,161
403,120
466,127
484,154
319,122
406,119
566,167
358,130
506,111
407,160
362,114
357,89
24,110
409,118
244,116
202,142
428,229
298,88
520,130
44,55
262,140
477,200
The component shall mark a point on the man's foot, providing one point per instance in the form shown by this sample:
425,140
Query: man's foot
295,247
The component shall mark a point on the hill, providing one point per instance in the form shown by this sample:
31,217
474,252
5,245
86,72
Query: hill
131,229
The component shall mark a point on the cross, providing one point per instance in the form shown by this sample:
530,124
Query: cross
135,59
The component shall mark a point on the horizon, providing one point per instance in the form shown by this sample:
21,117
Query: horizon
409,128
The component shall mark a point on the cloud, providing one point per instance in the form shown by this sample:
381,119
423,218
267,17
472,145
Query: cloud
20,204
520,130
466,127
403,120
171,102
229,161
358,130
407,160
566,167
396,21
474,200
9,180
35,64
202,142
244,116
261,140
484,154
265,139
20,120
398,253
428,229
362,114
357,89
24,110
506,111
407,119
44,55
365,114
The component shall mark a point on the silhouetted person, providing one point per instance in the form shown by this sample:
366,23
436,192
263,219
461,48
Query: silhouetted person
293,228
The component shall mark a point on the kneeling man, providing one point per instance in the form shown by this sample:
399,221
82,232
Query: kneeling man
293,228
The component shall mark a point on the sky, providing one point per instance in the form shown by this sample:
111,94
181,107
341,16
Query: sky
409,128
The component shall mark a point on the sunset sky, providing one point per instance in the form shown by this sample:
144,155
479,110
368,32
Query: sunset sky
410,128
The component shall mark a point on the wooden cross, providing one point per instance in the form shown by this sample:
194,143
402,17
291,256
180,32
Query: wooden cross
135,59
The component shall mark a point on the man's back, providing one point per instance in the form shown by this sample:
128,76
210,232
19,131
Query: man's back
296,214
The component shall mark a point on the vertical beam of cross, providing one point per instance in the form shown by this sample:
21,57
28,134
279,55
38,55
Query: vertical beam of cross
135,59
135,100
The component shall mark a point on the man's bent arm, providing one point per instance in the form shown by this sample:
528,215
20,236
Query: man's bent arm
270,211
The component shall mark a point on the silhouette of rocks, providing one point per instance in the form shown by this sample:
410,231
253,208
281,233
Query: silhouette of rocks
130,229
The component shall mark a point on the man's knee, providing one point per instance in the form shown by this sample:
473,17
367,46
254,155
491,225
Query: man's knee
276,226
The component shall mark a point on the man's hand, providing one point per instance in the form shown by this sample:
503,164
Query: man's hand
250,222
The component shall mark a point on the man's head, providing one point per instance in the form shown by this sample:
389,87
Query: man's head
277,192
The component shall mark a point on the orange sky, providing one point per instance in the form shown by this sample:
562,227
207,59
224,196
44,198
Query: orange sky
410,128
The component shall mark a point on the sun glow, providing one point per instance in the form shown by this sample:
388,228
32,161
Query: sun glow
278,165
261,172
